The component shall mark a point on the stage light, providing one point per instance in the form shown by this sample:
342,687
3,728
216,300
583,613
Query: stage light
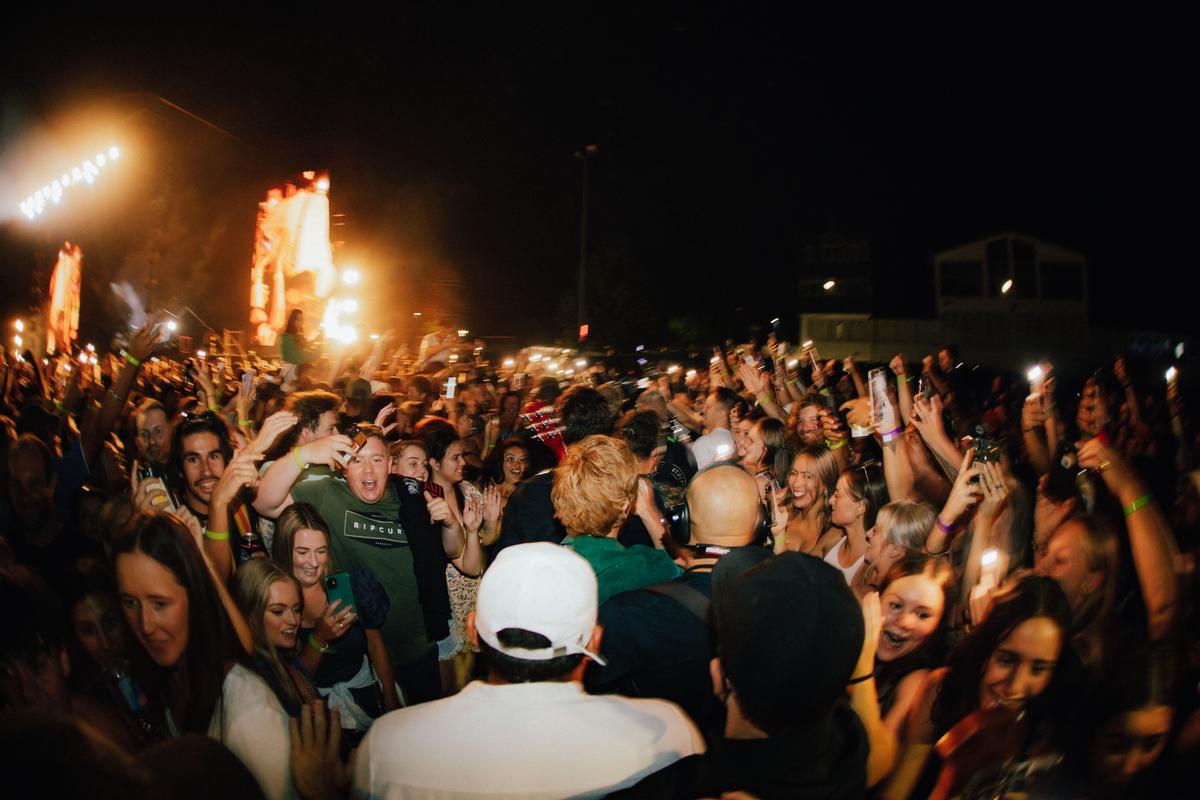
1004,287
346,334
827,285
19,325
350,276
87,172
508,362
462,334
172,325
350,305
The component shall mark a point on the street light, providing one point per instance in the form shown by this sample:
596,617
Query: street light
1004,287
828,285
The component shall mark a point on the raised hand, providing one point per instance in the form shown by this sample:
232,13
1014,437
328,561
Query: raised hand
473,513
333,623
927,416
316,759
439,509
995,490
334,451
965,494
897,364
144,342
382,417
239,472
752,379
872,625
492,504
273,427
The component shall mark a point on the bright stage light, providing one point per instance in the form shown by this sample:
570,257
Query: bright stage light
346,334
508,362
350,276
19,325
87,172
350,306
172,325
323,185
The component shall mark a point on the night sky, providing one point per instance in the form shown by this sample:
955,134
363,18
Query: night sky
727,139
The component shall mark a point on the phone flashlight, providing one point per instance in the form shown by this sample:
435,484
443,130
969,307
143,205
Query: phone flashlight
1171,373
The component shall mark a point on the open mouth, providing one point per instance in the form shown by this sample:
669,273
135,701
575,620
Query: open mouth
206,485
369,483
894,639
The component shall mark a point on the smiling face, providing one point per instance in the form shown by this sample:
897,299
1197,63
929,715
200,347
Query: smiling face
412,463
1020,667
155,606
96,621
450,468
281,619
367,471
516,461
310,556
808,425
741,438
804,484
912,608
1131,742
203,464
756,448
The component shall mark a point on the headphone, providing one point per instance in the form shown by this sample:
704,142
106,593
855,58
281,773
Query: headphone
679,518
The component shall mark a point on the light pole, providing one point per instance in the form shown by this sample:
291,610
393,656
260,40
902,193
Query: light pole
583,155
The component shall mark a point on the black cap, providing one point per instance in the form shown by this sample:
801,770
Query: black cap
789,632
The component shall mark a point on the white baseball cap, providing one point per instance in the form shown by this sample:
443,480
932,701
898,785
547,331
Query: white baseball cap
543,588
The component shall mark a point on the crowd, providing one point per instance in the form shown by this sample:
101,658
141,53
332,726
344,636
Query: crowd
775,577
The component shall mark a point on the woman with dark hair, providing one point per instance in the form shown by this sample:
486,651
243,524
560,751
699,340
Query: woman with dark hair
506,467
810,480
767,455
340,647
196,674
479,516
859,494
999,679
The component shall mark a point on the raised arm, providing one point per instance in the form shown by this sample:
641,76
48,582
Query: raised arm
274,488
1150,539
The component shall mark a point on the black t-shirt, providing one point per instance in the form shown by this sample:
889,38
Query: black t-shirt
826,760
529,514
678,465
657,648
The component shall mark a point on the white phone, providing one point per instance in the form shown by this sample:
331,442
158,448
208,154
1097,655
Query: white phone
451,385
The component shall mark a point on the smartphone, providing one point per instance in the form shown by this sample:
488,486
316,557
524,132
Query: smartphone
883,414
925,387
247,381
451,385
152,470
337,587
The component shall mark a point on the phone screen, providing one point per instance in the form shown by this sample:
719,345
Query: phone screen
451,385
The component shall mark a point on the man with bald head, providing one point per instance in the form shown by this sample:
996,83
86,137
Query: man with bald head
656,640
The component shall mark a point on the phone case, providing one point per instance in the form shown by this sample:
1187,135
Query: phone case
337,587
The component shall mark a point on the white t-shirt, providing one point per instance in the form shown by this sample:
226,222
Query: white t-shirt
250,721
526,740
832,558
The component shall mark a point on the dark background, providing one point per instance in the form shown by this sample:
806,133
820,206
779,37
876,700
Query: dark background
728,137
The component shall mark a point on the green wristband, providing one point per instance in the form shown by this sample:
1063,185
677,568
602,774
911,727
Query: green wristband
216,536
1137,505
312,642
835,445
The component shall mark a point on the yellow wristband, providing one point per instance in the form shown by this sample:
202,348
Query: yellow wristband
835,445
216,536
137,362
299,461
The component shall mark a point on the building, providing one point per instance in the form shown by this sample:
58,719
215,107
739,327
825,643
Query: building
1007,300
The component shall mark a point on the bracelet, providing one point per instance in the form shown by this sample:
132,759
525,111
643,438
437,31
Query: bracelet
137,362
245,423
938,554
216,536
315,645
943,526
299,461
1137,505
59,405
835,445
862,678
893,434
902,378
825,391
213,407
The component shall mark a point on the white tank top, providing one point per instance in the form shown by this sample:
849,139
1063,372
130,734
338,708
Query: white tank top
832,558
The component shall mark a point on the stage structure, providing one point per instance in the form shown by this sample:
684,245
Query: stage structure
62,317
293,258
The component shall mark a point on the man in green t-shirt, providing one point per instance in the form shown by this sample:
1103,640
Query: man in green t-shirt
374,527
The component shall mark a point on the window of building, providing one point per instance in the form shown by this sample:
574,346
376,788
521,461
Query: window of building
961,278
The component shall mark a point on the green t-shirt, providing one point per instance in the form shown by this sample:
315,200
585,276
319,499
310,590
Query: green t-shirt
369,536
622,569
